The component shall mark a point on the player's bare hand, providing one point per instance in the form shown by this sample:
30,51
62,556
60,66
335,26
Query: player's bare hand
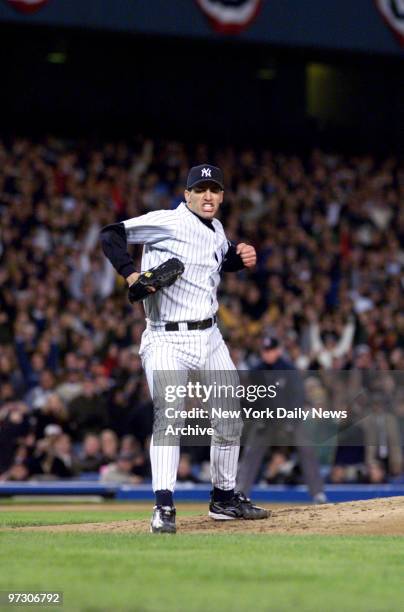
132,278
247,253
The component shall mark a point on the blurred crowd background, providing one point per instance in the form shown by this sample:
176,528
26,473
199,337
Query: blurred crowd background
329,285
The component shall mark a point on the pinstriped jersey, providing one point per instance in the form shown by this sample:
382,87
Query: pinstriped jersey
180,233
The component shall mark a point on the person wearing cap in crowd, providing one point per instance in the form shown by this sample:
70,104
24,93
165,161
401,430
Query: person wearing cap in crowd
290,394
122,470
383,452
182,334
53,457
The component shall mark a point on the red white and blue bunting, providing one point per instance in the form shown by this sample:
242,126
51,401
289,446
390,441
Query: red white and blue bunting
230,16
27,6
393,13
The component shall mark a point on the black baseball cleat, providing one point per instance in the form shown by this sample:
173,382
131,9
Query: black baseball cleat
163,520
239,507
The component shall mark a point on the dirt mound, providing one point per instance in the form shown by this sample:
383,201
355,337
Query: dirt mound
371,517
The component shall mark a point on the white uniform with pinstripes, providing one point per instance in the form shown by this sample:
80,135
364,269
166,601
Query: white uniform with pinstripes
179,233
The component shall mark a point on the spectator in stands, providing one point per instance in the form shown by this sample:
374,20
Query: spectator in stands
37,396
14,426
53,457
349,461
122,471
383,454
31,357
281,467
327,345
109,446
72,385
399,414
139,420
52,412
141,466
185,473
90,458
10,376
18,471
87,411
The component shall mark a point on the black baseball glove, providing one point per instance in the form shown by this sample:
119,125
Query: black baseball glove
163,275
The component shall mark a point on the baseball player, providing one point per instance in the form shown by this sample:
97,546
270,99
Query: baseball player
181,333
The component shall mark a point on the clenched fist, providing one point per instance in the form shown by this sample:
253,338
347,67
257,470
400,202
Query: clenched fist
247,254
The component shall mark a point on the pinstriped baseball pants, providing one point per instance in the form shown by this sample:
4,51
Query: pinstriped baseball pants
177,354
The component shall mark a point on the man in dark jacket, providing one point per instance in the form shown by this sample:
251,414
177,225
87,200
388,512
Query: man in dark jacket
87,412
290,393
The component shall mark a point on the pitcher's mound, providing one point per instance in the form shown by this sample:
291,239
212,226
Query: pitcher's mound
371,517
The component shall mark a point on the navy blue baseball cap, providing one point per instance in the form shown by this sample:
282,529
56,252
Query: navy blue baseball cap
203,174
269,343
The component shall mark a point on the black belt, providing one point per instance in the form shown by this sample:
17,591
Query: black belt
191,325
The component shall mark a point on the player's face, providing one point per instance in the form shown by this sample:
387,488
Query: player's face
204,199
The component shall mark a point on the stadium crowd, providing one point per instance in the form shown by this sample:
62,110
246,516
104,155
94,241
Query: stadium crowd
329,284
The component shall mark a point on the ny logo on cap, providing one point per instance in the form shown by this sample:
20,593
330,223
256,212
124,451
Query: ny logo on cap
206,172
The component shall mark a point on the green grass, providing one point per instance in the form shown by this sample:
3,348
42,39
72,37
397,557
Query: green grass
145,573
26,518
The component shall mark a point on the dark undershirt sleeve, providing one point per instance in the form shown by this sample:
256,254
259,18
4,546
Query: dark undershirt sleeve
232,262
114,246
